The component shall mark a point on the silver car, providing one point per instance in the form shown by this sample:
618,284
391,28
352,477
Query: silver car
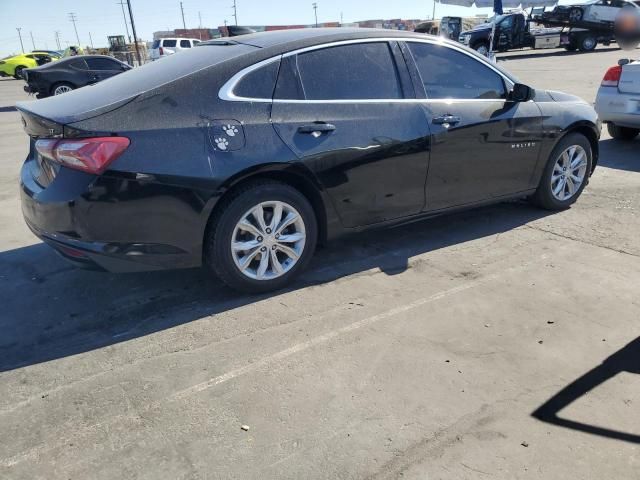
618,100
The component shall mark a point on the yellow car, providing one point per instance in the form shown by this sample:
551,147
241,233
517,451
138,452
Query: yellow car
13,66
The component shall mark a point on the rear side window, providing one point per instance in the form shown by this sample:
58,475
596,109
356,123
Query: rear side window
169,43
185,44
79,64
349,72
258,83
196,42
102,64
447,73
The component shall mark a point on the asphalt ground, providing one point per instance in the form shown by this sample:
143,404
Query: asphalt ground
498,343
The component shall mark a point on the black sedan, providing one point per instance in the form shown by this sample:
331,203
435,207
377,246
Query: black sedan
243,154
70,73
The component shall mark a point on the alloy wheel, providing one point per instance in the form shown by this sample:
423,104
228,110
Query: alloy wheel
59,90
569,173
268,240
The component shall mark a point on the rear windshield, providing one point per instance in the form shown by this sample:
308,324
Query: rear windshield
169,43
156,44
139,80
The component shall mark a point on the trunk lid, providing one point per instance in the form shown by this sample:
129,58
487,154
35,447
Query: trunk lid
630,78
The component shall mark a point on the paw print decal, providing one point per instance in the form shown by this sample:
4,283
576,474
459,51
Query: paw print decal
226,135
230,130
222,143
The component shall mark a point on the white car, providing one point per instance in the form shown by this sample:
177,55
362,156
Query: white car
164,47
618,100
594,12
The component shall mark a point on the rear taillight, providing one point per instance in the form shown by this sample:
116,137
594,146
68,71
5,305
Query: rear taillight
612,77
161,51
91,155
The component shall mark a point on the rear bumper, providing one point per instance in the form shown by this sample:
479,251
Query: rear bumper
623,109
81,218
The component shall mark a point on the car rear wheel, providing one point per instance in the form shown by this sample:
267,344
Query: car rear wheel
566,174
262,237
622,133
19,72
60,88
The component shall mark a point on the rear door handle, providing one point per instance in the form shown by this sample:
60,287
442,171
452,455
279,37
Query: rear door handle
448,119
317,129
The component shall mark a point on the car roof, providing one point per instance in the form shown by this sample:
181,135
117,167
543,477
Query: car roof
304,36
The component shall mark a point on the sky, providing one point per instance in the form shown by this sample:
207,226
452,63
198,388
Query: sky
101,18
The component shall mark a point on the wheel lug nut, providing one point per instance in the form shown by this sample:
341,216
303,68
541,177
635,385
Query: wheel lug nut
273,247
263,249
277,236
260,239
268,230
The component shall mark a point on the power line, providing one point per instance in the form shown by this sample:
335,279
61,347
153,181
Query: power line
124,15
20,35
73,18
235,12
135,37
182,10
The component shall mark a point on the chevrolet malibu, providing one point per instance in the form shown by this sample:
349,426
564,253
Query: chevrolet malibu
243,154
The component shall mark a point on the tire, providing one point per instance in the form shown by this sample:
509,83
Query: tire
575,14
544,196
588,43
622,133
482,48
18,72
571,47
224,229
57,88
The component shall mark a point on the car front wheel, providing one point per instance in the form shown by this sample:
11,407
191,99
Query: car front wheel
261,237
566,174
622,133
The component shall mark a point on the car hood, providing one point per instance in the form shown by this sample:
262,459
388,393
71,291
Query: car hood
478,28
555,96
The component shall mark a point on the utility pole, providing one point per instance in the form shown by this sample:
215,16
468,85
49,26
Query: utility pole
200,20
20,35
32,42
91,41
72,17
124,15
341,18
235,12
135,37
182,10
315,12
433,15
57,33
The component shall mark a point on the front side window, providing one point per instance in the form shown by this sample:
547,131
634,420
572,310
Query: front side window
447,73
349,72
185,44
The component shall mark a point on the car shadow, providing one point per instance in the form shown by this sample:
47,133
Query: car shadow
527,54
620,154
53,310
627,359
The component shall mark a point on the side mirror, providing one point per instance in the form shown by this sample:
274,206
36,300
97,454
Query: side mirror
521,93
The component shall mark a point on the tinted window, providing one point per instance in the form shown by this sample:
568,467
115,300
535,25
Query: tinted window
447,73
169,43
79,64
185,44
359,71
259,83
196,42
102,64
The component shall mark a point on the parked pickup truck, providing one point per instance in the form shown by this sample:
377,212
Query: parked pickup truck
518,30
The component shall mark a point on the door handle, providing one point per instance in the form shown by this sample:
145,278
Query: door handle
316,129
446,119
